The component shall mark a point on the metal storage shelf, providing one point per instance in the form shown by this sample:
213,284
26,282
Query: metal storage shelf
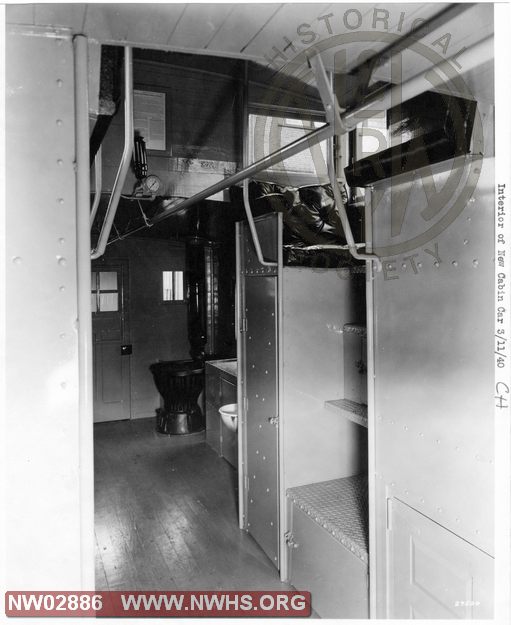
340,507
349,409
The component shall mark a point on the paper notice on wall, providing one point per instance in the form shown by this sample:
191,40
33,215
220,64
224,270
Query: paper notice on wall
149,118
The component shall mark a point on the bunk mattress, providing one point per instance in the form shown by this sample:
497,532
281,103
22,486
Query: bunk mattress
341,507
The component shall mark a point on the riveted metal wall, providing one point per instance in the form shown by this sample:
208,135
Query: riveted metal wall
42,395
260,364
432,409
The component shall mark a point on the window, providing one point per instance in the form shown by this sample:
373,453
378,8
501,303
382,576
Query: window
105,291
173,286
268,134
149,118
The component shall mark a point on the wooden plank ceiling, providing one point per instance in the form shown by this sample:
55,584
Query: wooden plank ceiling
251,31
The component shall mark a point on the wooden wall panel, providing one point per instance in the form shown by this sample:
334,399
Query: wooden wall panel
202,122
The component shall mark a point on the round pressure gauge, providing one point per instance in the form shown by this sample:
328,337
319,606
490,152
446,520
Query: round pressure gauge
152,184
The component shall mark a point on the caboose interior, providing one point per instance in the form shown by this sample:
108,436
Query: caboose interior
293,284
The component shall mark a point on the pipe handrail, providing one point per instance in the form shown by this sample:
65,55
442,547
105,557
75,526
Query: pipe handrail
333,116
98,171
126,156
253,229
469,59
316,136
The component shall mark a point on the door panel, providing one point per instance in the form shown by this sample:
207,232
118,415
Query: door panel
110,332
434,573
262,411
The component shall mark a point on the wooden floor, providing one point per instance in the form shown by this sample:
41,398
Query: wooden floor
166,515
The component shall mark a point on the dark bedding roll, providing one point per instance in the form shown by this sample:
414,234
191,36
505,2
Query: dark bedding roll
309,216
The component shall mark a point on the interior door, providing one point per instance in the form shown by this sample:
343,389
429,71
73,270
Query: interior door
111,348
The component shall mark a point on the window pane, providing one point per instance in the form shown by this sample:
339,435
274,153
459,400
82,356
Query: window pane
173,286
93,303
268,134
178,285
108,302
108,281
93,280
167,286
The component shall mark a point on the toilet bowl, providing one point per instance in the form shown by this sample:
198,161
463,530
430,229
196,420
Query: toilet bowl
229,414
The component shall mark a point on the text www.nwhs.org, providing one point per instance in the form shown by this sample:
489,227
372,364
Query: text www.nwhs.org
186,603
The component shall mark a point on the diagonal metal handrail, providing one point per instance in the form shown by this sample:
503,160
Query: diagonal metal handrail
126,156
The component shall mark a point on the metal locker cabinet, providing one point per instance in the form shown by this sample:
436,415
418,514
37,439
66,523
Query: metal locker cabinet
291,363
258,422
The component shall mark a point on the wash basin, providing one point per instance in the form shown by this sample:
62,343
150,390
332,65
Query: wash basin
229,414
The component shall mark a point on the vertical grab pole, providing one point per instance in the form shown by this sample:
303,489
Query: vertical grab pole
86,475
240,329
333,117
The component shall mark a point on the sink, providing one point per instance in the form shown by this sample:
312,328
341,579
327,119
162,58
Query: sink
229,414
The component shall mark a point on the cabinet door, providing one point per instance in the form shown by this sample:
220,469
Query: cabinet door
433,572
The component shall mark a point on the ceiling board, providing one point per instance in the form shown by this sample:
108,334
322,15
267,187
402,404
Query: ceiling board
199,24
69,15
241,26
462,34
134,23
155,23
106,22
411,11
20,14
285,24
249,30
